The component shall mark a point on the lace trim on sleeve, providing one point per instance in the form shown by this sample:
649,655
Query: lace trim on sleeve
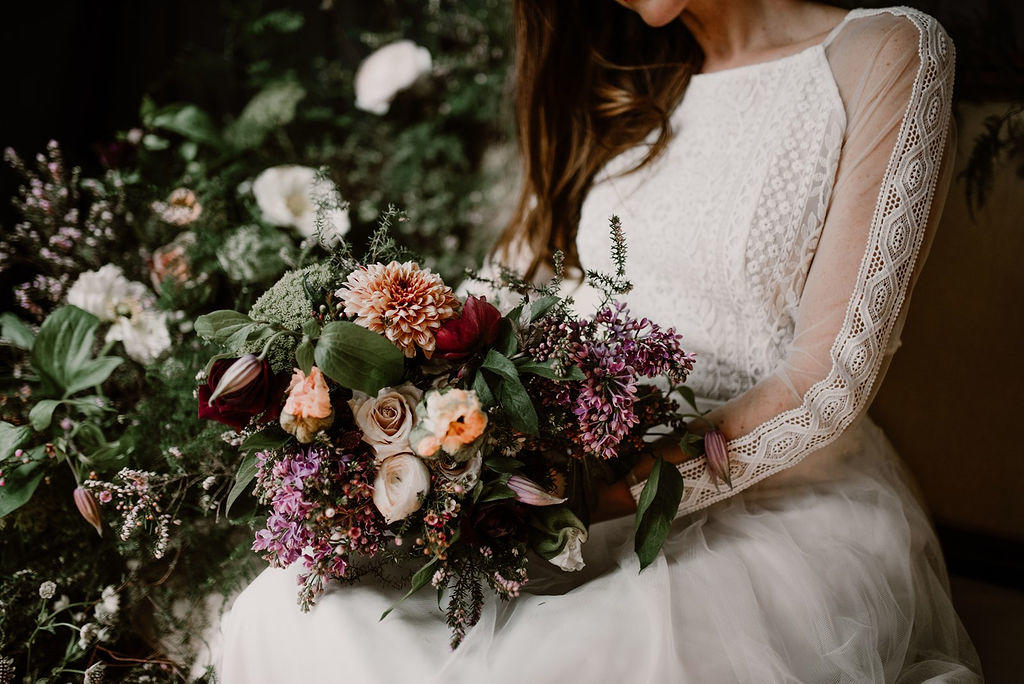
894,241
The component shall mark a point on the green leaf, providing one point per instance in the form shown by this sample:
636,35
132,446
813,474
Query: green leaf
93,373
483,390
540,307
357,358
271,108
655,510
501,464
12,437
16,331
500,364
246,474
266,440
687,394
419,580
507,343
550,527
62,350
516,404
311,328
496,491
546,369
19,486
305,356
42,414
188,121
688,445
221,325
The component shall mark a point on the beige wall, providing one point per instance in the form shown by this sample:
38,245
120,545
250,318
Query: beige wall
953,399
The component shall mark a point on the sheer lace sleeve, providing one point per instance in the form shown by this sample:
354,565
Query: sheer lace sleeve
894,71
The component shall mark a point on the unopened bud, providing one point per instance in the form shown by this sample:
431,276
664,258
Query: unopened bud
238,376
718,457
89,509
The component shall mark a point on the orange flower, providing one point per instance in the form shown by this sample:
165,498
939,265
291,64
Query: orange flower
404,303
307,410
448,421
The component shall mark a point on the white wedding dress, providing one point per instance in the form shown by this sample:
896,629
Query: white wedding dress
781,233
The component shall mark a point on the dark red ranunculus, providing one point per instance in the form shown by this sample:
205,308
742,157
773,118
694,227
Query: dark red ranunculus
495,521
262,393
476,328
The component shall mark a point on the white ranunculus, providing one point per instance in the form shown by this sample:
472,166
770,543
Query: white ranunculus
401,484
144,335
290,196
387,419
387,72
107,294
570,558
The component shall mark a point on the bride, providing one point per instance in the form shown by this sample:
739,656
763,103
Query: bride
779,167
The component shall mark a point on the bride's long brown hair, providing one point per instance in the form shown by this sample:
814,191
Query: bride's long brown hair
592,80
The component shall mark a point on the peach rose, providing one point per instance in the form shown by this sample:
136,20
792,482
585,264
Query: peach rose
387,419
448,421
170,261
307,410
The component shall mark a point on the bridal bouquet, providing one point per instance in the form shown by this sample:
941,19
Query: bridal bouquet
386,419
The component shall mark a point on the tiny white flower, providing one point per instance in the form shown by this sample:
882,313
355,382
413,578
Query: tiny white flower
47,589
388,71
289,196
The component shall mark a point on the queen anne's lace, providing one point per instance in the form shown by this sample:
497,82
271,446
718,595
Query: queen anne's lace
756,154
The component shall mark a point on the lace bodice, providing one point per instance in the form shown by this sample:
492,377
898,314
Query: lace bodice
781,231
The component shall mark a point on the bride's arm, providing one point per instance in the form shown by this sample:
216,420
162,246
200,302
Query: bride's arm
895,76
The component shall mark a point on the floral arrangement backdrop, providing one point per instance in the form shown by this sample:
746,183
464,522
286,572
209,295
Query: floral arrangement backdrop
120,526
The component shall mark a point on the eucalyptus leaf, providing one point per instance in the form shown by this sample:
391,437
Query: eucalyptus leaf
655,510
357,358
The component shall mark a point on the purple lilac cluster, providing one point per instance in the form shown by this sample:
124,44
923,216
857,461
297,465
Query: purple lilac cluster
321,511
615,350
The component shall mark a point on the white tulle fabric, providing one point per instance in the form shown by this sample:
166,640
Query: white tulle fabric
781,233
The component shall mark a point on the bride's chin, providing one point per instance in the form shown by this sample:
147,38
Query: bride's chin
656,13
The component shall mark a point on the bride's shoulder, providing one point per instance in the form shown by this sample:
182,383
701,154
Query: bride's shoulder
892,33
889,46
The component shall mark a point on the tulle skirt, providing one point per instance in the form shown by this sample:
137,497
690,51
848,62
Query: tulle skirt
827,572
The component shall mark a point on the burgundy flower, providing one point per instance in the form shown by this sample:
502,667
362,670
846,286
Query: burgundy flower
476,328
249,389
492,522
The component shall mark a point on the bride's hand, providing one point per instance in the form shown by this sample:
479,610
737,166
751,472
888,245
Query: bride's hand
615,500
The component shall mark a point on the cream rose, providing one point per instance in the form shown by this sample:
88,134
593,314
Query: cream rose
401,484
387,419
387,72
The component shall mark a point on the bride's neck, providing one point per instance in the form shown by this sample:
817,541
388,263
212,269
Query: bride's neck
740,32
